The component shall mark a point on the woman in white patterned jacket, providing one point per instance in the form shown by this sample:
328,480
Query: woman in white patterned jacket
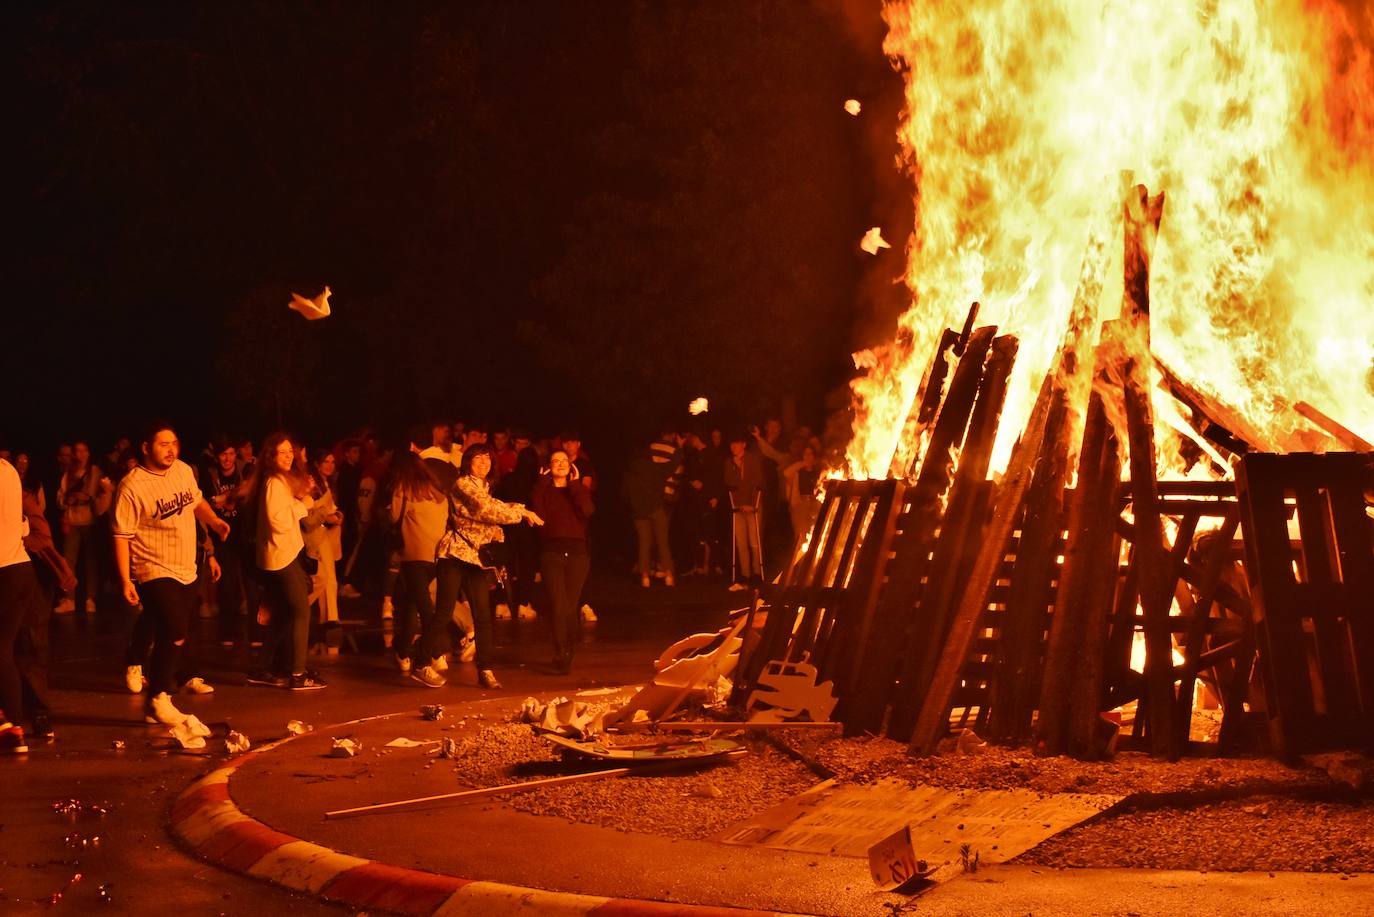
474,521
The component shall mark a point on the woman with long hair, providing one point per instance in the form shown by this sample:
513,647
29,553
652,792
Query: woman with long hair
324,545
84,494
565,504
419,514
278,499
474,521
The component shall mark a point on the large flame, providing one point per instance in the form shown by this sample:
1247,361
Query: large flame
1255,117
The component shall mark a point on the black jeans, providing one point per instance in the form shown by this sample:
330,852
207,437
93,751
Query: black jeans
167,608
18,595
237,593
416,575
287,592
564,575
31,653
475,584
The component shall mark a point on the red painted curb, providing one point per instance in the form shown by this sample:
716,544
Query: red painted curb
394,888
190,802
630,907
240,845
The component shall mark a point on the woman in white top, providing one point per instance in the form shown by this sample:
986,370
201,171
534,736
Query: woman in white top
324,544
279,496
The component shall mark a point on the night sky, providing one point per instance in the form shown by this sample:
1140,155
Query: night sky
534,213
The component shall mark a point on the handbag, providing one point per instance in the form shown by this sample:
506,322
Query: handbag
493,556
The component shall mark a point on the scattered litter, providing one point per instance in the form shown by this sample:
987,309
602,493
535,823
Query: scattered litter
432,712
853,107
190,733
448,749
573,719
405,743
117,744
236,743
77,840
345,748
873,240
297,728
707,790
970,744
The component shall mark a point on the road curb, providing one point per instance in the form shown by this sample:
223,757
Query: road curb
206,820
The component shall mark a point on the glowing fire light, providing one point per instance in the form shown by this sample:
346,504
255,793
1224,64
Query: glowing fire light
1255,117
698,406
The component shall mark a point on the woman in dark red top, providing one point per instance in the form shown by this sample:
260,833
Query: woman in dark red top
565,505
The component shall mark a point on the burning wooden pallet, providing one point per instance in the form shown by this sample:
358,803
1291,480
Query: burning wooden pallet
1016,606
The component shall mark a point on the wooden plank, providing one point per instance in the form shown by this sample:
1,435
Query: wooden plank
1015,686
1070,608
933,718
911,546
953,553
1342,434
1337,565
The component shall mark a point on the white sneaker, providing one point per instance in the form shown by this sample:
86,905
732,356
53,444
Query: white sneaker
64,607
403,663
134,680
388,609
197,685
428,677
588,616
439,664
162,710
503,612
90,606
469,651
526,613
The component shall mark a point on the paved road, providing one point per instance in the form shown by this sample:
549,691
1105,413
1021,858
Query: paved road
128,852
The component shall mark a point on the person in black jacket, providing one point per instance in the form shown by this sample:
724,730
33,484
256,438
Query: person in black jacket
565,505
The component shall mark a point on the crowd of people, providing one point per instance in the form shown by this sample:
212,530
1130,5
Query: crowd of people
452,529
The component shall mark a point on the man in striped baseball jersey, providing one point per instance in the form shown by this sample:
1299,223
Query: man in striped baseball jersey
155,517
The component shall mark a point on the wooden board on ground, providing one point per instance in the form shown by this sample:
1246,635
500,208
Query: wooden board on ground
666,749
847,820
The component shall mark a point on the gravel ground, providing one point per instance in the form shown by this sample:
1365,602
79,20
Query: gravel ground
691,804
1223,814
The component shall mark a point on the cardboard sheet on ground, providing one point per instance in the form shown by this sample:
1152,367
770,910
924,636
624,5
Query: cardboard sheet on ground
847,820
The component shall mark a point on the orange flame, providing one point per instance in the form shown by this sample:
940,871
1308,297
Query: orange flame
1255,117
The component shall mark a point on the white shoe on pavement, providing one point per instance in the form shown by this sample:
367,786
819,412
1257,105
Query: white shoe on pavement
439,664
134,680
588,616
526,613
469,651
428,677
197,685
503,612
162,710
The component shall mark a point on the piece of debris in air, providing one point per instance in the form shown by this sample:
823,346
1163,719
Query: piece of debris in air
698,406
311,309
873,240
853,107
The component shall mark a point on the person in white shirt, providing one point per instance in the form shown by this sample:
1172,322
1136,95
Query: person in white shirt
279,498
155,513
18,593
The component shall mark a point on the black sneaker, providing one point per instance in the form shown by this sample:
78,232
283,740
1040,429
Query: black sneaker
42,727
305,682
266,679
